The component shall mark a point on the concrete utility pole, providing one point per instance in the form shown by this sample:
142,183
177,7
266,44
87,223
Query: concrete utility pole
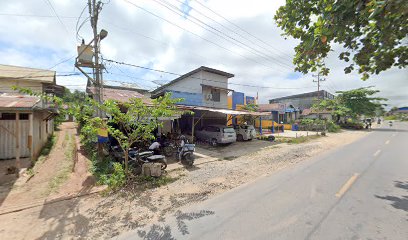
318,83
318,94
94,9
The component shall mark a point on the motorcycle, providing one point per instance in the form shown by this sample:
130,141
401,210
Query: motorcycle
137,159
390,124
185,154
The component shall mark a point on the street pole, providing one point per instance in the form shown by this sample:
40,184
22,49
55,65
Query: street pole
318,92
94,13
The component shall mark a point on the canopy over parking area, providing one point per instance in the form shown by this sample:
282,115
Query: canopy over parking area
222,110
202,112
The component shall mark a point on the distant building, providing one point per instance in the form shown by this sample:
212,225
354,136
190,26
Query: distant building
26,122
304,100
121,94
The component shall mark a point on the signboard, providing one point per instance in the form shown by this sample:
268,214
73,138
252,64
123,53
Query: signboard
102,135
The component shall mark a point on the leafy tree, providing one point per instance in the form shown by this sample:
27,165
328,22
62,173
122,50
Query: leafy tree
353,103
136,121
76,96
249,118
361,101
371,32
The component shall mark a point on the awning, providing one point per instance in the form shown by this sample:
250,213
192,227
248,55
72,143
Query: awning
222,110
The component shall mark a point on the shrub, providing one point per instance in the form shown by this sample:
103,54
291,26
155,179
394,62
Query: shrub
116,179
332,127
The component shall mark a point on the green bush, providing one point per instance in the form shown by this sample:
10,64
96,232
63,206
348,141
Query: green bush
116,179
332,127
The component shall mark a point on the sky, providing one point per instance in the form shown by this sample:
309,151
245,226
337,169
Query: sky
177,36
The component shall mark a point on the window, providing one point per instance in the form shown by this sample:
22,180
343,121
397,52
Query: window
12,116
215,95
23,116
7,116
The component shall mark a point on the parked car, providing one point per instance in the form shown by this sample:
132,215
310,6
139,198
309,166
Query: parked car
217,134
245,132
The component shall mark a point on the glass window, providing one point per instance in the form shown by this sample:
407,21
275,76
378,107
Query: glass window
229,130
215,95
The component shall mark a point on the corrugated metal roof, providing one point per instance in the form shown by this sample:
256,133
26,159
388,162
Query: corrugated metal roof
221,110
202,68
121,95
18,101
271,107
25,73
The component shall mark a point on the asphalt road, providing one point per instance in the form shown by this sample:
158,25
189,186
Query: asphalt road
359,191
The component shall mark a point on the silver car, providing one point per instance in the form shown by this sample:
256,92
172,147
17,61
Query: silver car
245,132
217,134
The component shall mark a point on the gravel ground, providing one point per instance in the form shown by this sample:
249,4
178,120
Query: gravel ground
96,217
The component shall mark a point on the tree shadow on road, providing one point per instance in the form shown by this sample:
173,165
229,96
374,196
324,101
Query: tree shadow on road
163,232
398,202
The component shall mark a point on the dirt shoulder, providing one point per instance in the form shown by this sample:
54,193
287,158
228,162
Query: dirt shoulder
95,216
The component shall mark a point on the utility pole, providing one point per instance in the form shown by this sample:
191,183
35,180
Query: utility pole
318,83
318,95
94,9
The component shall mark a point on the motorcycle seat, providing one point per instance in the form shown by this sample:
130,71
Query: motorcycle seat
145,153
155,157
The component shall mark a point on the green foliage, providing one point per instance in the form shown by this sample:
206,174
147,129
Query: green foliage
371,32
332,127
249,119
353,103
117,179
136,120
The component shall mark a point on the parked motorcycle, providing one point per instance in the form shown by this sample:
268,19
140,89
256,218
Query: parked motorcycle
185,152
390,124
137,159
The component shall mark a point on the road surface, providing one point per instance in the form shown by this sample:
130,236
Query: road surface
359,191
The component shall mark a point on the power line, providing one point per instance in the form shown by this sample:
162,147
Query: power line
34,15
56,14
205,39
233,31
238,27
220,34
211,80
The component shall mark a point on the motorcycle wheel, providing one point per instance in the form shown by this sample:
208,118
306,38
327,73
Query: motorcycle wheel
168,151
189,159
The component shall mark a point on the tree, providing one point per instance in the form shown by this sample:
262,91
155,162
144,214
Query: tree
371,32
334,106
136,121
353,103
249,119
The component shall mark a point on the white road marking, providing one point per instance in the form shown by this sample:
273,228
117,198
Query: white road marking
347,185
377,153
387,142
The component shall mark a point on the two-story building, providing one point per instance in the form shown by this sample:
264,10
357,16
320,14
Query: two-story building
205,92
26,121
203,86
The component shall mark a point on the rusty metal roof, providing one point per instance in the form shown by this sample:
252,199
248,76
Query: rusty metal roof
121,95
28,74
18,102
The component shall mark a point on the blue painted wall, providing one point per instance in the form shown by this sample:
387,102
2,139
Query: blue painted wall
250,100
237,99
194,99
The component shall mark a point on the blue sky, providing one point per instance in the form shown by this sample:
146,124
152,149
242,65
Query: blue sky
175,44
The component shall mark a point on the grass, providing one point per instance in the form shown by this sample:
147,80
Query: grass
66,164
45,151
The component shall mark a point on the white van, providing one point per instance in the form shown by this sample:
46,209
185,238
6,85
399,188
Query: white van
245,132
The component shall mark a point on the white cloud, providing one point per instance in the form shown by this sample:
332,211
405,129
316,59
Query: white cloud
139,38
